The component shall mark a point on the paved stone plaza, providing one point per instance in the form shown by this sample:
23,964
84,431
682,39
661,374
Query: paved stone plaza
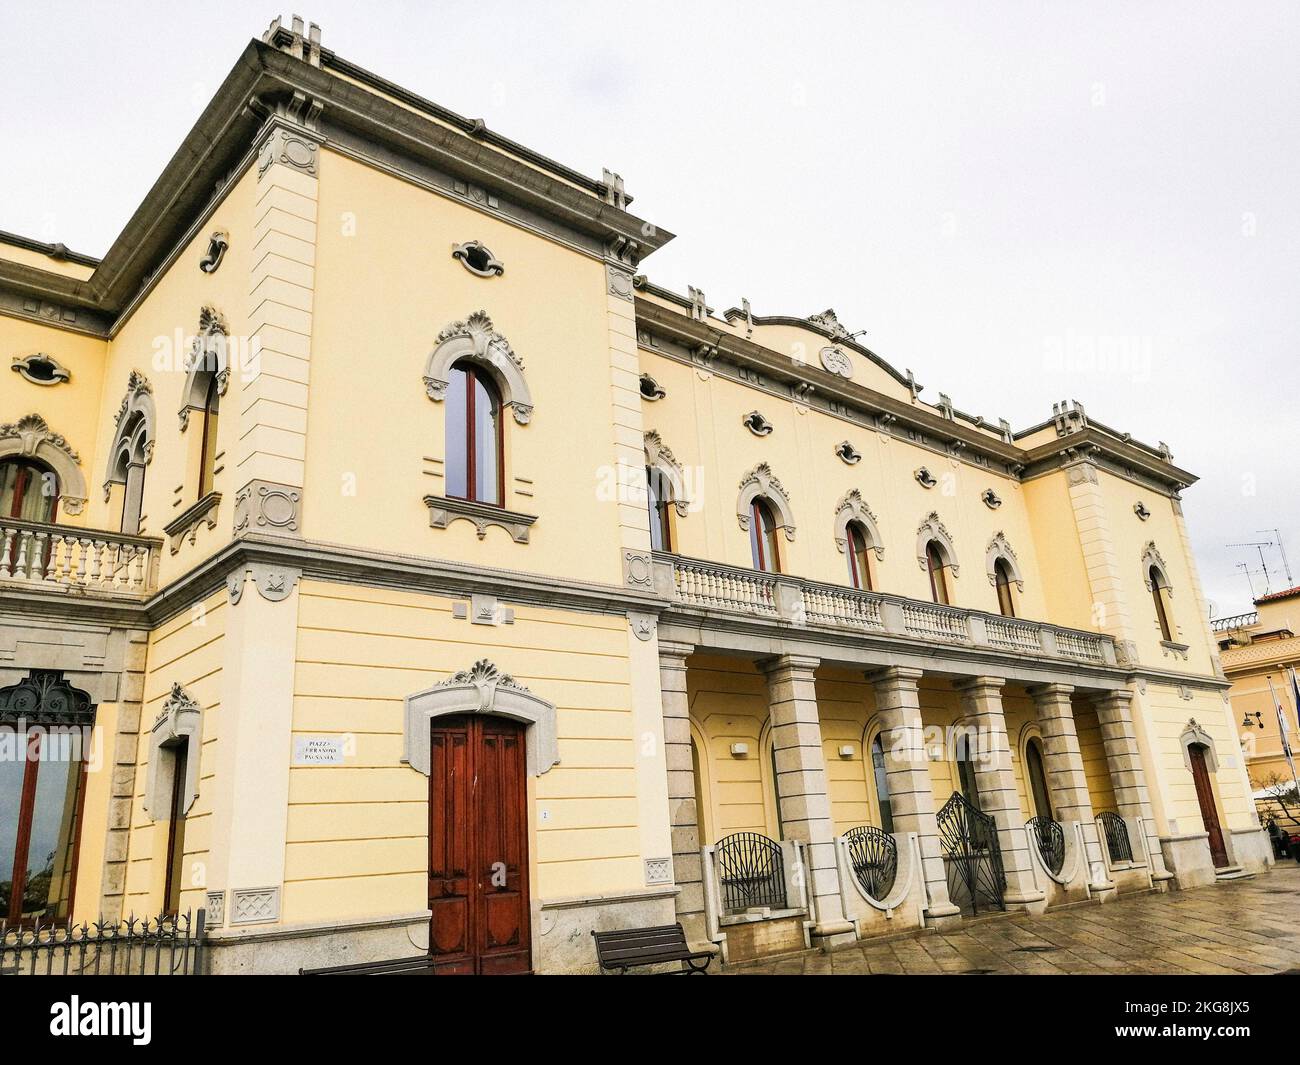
1249,926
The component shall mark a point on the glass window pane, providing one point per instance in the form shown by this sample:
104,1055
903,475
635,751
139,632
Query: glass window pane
756,537
1038,779
53,835
882,784
457,464
486,456
11,793
657,503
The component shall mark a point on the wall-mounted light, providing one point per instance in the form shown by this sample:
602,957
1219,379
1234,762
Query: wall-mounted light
740,750
846,751
1246,722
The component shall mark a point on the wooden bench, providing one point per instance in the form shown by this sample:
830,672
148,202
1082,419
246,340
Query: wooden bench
631,947
417,966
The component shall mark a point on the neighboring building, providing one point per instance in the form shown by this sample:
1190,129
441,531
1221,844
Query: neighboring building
1258,651
328,562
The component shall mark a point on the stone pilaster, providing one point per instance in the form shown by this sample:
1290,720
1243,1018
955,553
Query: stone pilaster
996,783
1101,558
271,452
254,747
1063,763
1124,760
801,786
626,403
907,770
683,818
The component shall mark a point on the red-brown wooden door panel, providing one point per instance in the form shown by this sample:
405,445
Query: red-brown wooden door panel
1209,812
478,846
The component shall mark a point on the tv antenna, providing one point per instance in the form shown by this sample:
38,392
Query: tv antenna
1259,546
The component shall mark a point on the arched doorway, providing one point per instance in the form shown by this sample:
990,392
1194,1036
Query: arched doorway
478,846
478,736
1205,797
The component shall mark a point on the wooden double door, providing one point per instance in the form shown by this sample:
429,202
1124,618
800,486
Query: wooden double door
478,847
1209,811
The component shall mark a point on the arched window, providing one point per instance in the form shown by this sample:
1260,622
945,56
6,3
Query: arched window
881,780
858,551
474,449
762,536
938,578
208,452
1003,581
40,797
1160,598
28,490
659,498
1037,779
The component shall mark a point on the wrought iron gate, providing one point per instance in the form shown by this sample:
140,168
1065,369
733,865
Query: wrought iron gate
751,870
1050,837
873,853
971,856
1115,830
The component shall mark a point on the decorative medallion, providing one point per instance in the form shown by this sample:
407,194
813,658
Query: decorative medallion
757,424
651,389
991,499
217,245
41,369
836,360
848,453
924,477
478,259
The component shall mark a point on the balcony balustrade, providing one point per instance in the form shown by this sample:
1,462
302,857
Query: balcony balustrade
62,558
712,586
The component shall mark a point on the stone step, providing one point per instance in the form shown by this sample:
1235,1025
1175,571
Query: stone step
1232,872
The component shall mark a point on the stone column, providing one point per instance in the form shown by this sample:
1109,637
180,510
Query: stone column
801,787
1063,762
995,781
908,773
683,818
1124,760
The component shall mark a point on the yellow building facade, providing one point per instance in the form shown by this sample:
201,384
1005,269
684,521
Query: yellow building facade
1260,653
422,577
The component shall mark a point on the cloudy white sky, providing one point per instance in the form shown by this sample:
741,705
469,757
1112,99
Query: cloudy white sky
980,186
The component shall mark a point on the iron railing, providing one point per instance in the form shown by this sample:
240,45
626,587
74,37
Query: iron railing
169,945
873,853
751,870
1050,836
1118,843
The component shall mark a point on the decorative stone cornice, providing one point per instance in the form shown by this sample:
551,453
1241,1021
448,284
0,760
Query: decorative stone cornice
659,456
31,432
443,511
760,481
852,508
185,526
1000,548
933,529
475,339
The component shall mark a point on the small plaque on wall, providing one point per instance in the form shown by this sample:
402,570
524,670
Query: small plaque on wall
318,750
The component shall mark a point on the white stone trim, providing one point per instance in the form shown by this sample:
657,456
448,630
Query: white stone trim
482,689
475,340
1000,548
760,481
181,719
31,437
852,508
933,529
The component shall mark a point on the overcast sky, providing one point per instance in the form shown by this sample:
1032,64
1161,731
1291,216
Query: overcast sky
1022,202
